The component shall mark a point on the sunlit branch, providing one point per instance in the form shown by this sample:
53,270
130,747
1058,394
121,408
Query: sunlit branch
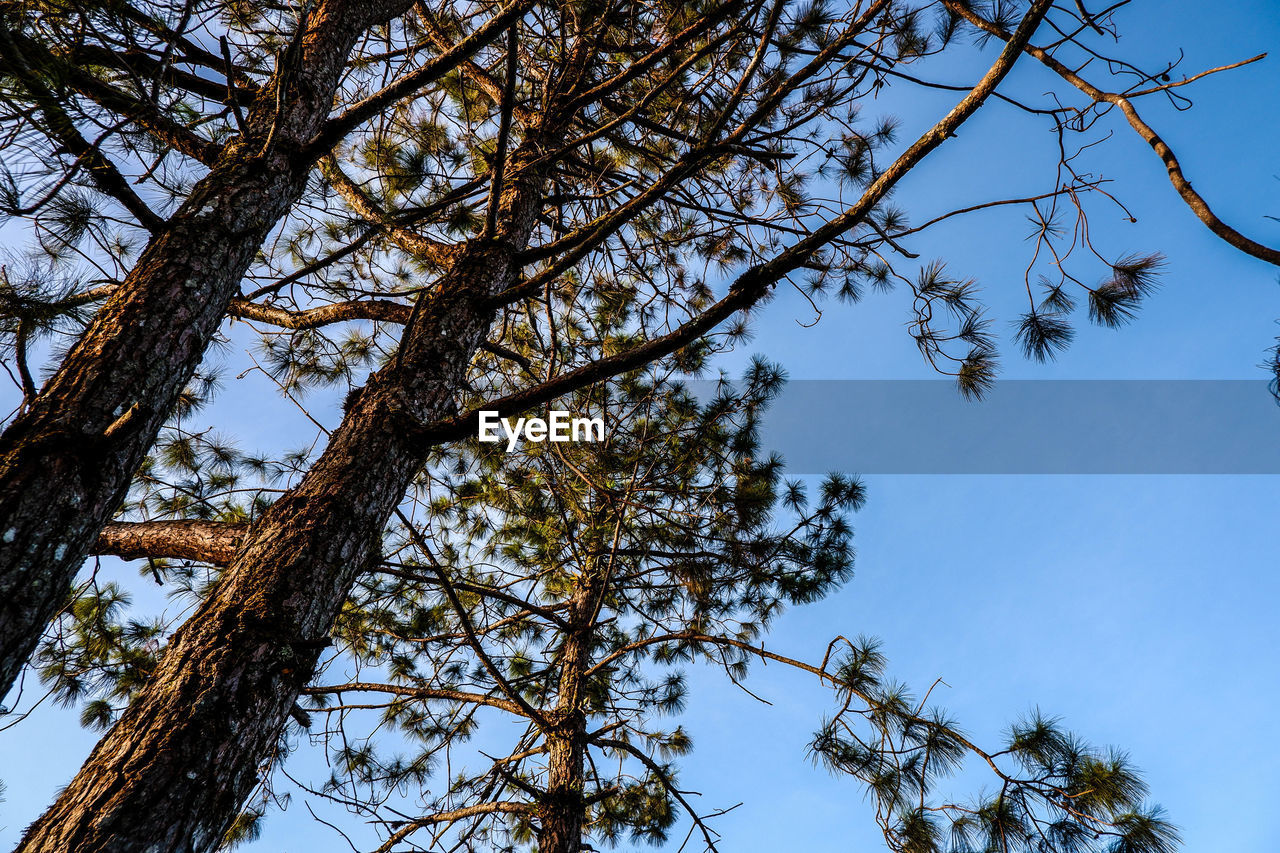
416,693
1179,180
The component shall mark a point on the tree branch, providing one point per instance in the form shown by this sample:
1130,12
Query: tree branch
1179,180
143,113
418,693
465,620
753,285
436,68
63,130
360,202
507,104
212,542
661,774
450,817
381,310
135,61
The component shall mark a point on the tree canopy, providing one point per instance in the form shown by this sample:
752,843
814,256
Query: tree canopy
438,208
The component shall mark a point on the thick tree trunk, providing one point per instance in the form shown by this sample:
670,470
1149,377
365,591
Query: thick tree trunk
562,809
66,463
171,775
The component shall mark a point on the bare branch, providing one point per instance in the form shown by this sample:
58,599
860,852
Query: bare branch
416,693
212,542
1176,176
371,106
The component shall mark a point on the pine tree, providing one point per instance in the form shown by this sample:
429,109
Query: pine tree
566,587
132,76
479,166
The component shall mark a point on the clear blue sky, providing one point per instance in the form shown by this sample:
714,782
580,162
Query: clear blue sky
1139,609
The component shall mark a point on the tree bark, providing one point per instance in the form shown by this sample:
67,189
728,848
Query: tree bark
171,775
562,808
66,463
213,542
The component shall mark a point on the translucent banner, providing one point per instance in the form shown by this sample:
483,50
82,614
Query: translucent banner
1027,427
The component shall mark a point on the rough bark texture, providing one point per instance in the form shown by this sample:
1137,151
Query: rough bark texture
213,542
172,774
562,809
66,463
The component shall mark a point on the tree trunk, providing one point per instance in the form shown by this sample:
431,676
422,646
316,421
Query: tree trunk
562,808
66,463
172,774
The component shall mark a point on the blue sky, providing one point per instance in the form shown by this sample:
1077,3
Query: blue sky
1137,608
1140,609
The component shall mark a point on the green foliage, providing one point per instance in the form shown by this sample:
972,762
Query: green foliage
1272,366
560,580
1056,792
1043,335
640,552
97,657
36,301
247,827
